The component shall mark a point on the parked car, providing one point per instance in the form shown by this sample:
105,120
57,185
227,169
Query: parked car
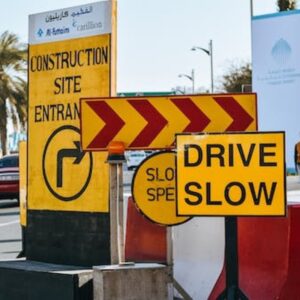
134,158
9,177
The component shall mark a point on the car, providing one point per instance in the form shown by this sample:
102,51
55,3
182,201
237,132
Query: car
134,158
9,177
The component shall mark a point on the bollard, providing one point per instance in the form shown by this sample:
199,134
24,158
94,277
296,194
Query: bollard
115,159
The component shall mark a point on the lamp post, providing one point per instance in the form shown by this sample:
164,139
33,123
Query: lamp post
209,52
191,78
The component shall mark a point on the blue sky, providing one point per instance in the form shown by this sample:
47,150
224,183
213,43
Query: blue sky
155,37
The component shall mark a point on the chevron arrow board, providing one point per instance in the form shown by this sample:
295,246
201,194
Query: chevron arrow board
152,122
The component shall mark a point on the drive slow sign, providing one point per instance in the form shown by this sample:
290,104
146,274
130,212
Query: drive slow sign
231,174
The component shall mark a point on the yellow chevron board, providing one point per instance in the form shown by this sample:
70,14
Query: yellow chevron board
152,122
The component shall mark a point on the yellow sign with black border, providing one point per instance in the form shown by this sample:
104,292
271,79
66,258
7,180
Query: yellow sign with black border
231,174
60,175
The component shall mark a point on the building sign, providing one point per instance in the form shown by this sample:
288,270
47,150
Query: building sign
234,174
276,74
69,23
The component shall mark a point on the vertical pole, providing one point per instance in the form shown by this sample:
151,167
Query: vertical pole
251,37
193,81
169,247
120,216
232,290
170,262
211,66
231,257
115,159
113,73
113,183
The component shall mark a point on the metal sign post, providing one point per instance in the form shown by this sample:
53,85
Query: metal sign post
115,159
232,290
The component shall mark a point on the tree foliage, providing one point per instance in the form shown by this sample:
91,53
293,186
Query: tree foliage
237,76
286,5
13,86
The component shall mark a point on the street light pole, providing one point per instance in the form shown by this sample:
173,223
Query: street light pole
191,78
209,52
211,66
251,8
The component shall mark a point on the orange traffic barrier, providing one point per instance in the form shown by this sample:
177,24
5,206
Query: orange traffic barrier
145,241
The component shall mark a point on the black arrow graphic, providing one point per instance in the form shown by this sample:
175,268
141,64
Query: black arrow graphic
64,153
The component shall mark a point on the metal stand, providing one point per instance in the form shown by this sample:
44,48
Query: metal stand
116,209
232,290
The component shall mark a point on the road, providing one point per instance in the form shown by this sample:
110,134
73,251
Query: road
10,230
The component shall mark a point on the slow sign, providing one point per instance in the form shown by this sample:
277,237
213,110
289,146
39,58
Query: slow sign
154,189
232,174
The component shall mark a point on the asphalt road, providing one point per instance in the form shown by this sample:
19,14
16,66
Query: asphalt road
10,230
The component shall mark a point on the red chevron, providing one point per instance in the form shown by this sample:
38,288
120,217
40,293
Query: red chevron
113,124
156,122
241,119
198,120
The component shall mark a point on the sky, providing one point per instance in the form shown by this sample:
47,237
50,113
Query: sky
154,38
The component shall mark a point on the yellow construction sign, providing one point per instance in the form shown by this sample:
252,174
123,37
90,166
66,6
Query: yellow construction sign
233,174
152,122
61,175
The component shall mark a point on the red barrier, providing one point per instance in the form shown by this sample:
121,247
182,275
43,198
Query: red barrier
145,241
291,288
269,257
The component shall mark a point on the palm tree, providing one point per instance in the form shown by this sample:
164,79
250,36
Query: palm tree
13,86
286,5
